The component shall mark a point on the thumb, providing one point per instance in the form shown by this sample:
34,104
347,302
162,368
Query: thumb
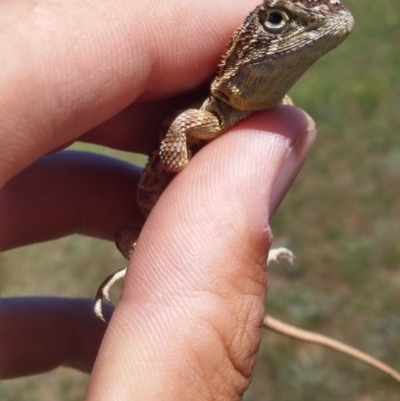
188,323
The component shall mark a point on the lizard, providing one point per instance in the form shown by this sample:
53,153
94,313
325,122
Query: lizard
278,41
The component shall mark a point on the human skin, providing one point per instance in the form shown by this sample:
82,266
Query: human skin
188,323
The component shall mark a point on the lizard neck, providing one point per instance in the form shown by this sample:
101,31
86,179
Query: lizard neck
226,114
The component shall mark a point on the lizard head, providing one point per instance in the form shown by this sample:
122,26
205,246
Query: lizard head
276,44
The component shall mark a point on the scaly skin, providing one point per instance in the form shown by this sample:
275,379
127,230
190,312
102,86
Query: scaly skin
268,53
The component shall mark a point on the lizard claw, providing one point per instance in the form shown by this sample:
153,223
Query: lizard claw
104,291
280,253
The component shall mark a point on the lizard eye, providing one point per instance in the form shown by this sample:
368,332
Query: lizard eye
275,20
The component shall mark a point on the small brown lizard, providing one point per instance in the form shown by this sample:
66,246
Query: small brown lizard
268,53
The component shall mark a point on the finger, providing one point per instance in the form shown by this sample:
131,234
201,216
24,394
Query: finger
137,128
40,334
72,65
191,311
68,192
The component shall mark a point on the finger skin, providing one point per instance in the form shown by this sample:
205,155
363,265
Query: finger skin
189,320
65,193
39,334
70,66
137,127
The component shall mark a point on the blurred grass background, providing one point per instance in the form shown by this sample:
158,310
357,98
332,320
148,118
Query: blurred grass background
341,218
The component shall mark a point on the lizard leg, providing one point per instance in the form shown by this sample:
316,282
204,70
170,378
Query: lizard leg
193,124
104,289
288,101
277,254
125,240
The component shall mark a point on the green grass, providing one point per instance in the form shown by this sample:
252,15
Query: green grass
341,218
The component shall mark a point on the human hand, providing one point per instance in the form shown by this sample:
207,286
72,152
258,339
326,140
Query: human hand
192,306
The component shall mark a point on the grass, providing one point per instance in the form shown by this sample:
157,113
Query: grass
341,218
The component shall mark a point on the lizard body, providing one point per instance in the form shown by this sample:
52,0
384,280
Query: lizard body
276,44
278,41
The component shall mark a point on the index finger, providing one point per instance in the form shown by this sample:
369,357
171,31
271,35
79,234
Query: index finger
72,65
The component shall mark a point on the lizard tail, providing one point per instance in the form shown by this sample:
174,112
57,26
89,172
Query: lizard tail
307,336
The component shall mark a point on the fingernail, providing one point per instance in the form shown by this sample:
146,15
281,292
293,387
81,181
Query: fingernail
295,158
